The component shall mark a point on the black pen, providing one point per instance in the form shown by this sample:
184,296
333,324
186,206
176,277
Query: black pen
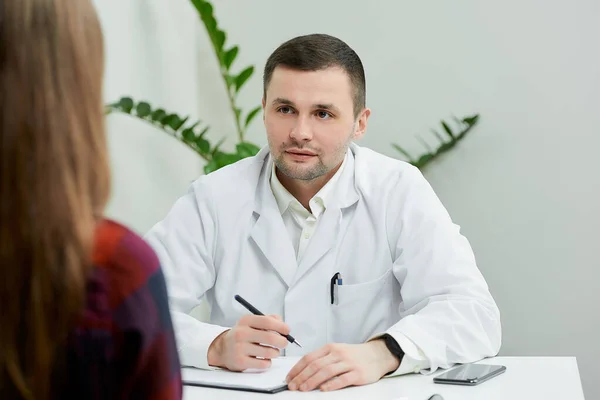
254,311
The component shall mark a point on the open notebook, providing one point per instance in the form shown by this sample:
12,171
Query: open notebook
270,380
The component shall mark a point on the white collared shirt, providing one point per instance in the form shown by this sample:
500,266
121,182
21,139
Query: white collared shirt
300,222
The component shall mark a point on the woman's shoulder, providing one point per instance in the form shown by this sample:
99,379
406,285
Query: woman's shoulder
124,257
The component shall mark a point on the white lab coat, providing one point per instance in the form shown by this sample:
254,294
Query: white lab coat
406,268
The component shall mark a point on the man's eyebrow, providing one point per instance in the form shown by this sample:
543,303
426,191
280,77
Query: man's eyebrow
330,107
281,100
320,106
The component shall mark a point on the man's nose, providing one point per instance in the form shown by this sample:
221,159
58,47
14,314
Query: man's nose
301,131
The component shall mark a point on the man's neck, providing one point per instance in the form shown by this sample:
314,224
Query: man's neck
303,190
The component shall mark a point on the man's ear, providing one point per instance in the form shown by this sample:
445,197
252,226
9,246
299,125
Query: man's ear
361,123
263,107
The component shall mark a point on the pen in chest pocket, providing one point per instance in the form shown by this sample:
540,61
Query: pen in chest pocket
336,281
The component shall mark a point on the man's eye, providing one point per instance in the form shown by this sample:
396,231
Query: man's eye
284,110
323,114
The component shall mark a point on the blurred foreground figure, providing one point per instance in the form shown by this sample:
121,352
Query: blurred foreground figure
83,302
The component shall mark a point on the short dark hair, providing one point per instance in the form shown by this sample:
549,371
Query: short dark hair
316,52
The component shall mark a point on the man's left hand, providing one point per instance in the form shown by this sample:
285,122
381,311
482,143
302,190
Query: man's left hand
335,366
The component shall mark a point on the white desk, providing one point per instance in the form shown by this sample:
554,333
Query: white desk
526,378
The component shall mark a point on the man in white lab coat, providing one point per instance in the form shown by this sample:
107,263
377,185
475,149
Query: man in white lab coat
348,250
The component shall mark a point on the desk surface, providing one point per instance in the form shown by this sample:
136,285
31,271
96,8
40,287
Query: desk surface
527,378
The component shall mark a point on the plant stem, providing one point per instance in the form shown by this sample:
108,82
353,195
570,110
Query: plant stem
438,152
228,90
231,97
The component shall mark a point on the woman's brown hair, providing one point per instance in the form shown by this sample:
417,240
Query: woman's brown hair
54,181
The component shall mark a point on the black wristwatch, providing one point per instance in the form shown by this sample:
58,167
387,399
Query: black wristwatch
393,347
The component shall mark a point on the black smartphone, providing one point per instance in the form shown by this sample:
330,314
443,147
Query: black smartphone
470,374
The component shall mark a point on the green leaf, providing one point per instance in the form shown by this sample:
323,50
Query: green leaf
126,104
173,121
224,159
211,166
246,149
178,126
230,56
216,154
424,159
401,150
220,38
471,120
202,144
158,115
203,7
188,134
448,130
143,109
251,115
445,147
243,77
166,120
238,113
211,26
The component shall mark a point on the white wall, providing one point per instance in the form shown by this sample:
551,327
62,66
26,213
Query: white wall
153,53
524,185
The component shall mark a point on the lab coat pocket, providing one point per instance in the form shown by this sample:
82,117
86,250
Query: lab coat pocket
362,310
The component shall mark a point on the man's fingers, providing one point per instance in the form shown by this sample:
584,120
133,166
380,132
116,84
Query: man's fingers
340,382
324,374
307,359
266,323
246,334
256,350
258,363
255,340
277,317
314,367
267,338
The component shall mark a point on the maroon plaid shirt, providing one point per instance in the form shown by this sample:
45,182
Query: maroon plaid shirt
123,346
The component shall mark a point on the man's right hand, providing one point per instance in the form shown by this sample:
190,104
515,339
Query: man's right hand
237,349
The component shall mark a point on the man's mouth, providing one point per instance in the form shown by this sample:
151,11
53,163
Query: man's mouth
300,152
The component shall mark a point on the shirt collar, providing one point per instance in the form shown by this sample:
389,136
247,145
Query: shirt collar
318,203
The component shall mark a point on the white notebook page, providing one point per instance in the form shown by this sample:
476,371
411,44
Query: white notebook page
270,378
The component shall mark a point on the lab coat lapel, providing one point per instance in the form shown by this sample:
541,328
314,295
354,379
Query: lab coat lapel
330,227
269,232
